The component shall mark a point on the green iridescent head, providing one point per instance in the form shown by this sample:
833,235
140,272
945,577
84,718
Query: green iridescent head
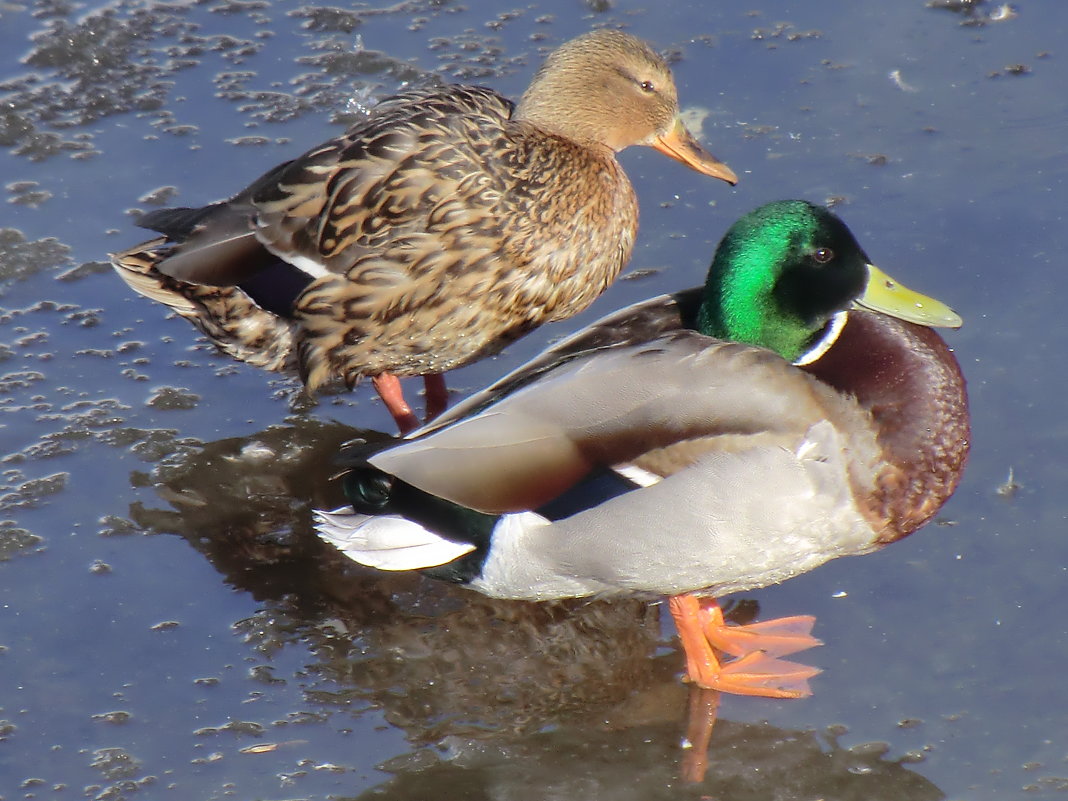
783,272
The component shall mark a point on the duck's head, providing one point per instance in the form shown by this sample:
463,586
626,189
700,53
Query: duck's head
783,275
610,88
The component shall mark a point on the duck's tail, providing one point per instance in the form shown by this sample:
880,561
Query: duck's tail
226,315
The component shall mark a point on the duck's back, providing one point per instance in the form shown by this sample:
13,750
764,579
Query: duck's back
358,192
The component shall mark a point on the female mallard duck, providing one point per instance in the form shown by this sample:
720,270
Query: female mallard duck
713,441
431,234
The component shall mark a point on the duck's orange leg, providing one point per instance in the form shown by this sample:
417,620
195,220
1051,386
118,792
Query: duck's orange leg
700,718
756,672
389,389
436,394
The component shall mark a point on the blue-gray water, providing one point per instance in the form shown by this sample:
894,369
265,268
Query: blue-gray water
163,607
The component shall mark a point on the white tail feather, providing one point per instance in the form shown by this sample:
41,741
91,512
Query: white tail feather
386,542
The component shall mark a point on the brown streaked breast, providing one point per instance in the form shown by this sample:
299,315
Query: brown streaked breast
909,380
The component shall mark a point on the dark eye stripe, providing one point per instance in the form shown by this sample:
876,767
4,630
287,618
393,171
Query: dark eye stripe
645,86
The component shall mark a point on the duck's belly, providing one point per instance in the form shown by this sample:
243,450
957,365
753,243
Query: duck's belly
729,523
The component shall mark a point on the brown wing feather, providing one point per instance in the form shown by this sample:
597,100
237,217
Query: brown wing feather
633,325
676,392
381,181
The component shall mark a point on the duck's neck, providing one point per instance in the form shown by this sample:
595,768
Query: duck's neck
908,379
543,109
824,340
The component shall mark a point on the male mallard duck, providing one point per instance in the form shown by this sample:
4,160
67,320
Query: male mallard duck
713,441
431,234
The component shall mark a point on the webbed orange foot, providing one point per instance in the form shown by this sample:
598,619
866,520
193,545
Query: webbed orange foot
777,637
757,671
759,674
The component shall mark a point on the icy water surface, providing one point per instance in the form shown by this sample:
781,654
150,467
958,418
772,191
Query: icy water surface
169,628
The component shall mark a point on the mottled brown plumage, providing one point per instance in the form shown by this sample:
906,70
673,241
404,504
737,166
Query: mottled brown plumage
433,233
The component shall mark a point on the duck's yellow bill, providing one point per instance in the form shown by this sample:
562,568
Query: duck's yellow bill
679,144
884,294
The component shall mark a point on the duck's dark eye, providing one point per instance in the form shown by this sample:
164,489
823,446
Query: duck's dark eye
823,255
369,490
647,87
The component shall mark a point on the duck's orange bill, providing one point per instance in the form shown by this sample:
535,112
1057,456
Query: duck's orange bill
679,144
